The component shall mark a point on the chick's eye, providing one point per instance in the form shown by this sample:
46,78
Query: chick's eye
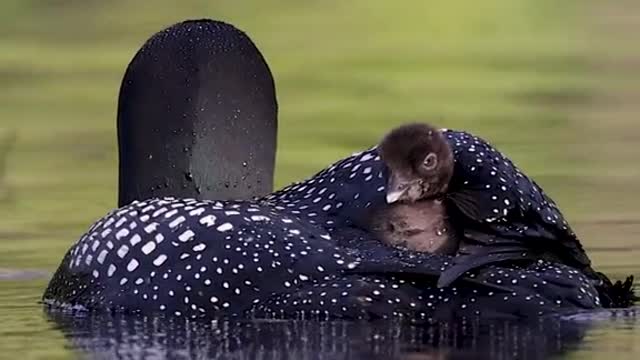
430,161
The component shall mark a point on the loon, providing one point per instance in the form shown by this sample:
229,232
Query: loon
178,246
504,214
266,259
420,226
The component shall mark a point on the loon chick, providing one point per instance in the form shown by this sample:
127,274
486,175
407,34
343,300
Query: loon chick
414,216
420,226
503,214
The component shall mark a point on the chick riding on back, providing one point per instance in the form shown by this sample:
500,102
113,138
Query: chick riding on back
415,217
501,214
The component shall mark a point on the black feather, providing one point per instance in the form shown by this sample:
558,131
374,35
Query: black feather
478,259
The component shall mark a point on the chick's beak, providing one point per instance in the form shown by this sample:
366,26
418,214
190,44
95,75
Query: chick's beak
394,195
396,189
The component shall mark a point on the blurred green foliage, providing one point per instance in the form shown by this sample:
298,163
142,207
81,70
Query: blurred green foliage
532,76
345,73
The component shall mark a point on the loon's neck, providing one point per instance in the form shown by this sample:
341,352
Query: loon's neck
197,116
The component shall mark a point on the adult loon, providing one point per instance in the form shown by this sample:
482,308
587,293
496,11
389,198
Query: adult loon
293,253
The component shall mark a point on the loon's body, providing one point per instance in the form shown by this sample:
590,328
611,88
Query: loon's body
257,259
506,216
290,254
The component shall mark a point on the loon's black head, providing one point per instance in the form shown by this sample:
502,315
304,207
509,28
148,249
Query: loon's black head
197,116
420,162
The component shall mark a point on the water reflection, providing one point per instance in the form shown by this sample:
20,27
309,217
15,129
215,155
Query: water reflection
117,336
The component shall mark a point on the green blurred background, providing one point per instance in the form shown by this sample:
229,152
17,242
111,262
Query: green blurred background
554,84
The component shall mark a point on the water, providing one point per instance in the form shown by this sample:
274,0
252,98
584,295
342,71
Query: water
552,84
110,337
36,332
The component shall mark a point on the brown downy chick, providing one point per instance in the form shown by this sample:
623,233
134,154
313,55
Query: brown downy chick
420,226
420,167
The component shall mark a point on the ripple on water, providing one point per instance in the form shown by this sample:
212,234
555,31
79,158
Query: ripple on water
22,274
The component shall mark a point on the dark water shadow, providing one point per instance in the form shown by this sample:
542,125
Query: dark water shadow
127,337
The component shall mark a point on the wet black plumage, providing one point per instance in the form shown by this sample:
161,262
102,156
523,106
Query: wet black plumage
505,209
196,102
